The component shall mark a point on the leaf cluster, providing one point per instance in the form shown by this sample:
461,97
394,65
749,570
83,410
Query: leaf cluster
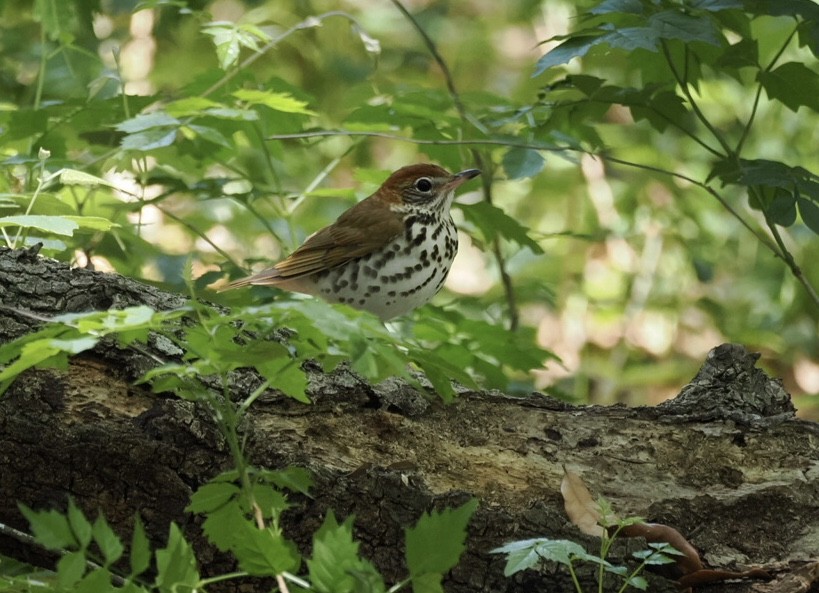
244,523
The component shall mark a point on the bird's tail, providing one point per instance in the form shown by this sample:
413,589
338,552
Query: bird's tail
268,277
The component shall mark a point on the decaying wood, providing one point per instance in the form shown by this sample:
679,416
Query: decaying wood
727,464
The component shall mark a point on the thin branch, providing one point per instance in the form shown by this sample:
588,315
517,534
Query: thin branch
768,68
198,233
765,241
433,49
506,279
28,540
418,141
695,108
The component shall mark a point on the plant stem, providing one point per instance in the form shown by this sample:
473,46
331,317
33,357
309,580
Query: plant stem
683,83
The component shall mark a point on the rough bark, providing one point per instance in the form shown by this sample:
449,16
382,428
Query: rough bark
726,463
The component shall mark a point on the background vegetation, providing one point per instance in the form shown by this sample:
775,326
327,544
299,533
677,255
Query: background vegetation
618,226
646,196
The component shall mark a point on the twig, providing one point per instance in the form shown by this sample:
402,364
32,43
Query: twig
506,279
421,141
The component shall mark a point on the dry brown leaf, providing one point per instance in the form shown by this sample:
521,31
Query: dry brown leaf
581,508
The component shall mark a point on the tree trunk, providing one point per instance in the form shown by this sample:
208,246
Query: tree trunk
725,463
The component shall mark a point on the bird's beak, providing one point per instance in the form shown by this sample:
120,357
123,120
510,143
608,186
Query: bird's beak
462,177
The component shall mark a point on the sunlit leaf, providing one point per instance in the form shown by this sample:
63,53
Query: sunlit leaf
59,225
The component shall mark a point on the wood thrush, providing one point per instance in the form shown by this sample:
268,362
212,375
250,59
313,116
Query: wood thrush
388,254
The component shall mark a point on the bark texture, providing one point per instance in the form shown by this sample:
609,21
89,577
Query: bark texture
726,463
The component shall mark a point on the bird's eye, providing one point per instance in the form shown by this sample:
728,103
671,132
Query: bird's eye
423,184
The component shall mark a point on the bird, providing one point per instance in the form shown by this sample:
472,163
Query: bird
388,254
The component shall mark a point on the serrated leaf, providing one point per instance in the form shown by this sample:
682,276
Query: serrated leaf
286,375
79,524
212,496
265,552
437,541
271,502
107,541
176,564
32,354
140,549
283,102
296,479
522,162
793,84
70,569
335,566
222,526
50,528
190,106
520,555
675,24
96,581
59,225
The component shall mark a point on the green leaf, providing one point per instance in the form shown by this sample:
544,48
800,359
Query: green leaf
79,524
212,496
437,541
528,553
140,549
429,582
75,177
222,526
176,564
70,569
782,209
296,479
190,106
617,6
286,375
94,223
96,581
50,528
676,24
522,162
492,222
265,552
271,502
283,102
107,541
59,225
56,16
148,121
520,555
576,46
809,212
335,566
149,139
793,84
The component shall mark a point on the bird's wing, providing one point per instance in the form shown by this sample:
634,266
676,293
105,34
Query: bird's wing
362,229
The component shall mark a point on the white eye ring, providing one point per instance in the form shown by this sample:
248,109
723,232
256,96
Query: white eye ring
423,184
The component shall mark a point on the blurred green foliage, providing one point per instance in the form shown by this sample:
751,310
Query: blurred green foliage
648,193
